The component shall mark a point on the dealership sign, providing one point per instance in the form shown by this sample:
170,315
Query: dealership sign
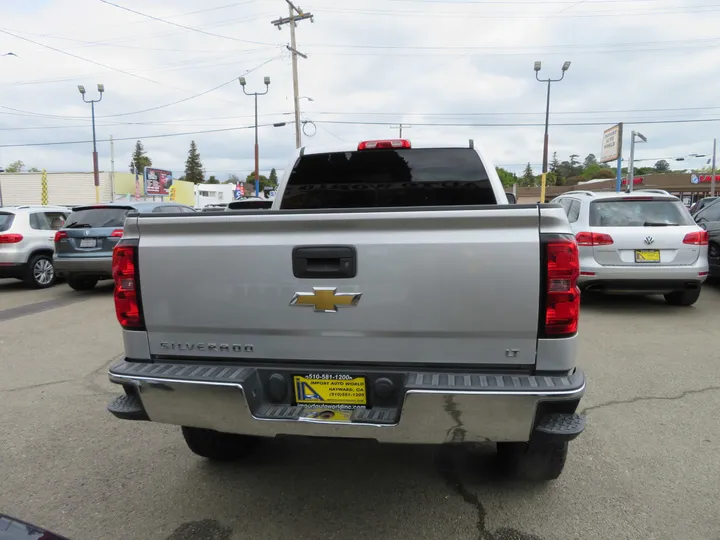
636,180
157,181
611,144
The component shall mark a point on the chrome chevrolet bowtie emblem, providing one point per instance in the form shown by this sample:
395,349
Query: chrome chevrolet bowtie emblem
649,240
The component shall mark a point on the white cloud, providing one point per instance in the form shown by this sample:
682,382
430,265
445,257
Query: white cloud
380,62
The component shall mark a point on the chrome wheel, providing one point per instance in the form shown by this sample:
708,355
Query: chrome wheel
43,272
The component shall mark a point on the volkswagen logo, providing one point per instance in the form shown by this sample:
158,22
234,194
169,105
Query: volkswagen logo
649,240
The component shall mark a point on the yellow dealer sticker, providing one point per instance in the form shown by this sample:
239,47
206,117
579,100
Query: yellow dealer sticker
330,389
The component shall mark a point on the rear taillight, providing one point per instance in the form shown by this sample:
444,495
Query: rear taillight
561,297
60,235
10,238
117,233
390,143
698,238
593,239
127,294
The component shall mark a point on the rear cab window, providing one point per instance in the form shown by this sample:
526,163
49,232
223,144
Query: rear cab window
6,221
97,217
388,178
640,212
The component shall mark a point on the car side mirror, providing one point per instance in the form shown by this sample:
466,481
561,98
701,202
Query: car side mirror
511,198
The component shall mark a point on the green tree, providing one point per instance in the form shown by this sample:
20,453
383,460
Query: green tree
33,169
140,158
273,177
212,180
662,166
232,179
528,178
575,168
590,161
264,181
193,166
506,177
15,167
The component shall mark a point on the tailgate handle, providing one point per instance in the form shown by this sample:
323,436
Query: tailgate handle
339,262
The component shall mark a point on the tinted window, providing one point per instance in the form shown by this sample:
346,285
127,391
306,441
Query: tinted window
97,217
388,178
710,213
574,211
39,221
6,221
56,220
638,213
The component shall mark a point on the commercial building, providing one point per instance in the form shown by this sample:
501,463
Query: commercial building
689,187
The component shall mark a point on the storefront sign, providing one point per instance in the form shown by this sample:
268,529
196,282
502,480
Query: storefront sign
637,180
703,178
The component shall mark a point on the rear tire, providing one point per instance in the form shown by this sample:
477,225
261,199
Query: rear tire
40,272
683,298
219,446
82,283
532,462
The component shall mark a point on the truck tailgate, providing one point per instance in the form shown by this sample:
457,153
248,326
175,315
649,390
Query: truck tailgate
441,287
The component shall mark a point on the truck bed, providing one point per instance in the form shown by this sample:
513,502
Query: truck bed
433,286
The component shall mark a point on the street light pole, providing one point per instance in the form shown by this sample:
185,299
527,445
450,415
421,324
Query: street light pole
92,102
243,82
631,166
538,66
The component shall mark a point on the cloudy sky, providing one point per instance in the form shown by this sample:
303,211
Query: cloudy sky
451,69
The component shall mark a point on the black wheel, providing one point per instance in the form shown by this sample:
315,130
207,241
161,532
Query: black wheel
219,446
683,298
713,251
532,462
40,272
82,283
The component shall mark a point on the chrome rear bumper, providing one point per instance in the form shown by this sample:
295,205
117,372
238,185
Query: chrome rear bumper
432,408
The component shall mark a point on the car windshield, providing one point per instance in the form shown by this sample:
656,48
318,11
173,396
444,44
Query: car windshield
97,217
638,213
6,221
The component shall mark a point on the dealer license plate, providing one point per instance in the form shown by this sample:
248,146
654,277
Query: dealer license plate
88,242
647,256
330,389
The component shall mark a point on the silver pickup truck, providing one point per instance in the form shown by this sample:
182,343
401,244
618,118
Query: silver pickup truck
390,293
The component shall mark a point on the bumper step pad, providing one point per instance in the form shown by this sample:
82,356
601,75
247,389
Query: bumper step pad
560,427
356,416
128,407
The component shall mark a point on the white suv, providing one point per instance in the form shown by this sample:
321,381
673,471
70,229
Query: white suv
27,235
644,242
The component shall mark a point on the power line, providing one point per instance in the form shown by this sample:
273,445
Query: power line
88,60
143,110
537,15
358,123
183,26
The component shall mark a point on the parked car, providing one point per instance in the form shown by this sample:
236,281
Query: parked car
643,242
251,203
84,246
709,219
391,293
702,203
26,243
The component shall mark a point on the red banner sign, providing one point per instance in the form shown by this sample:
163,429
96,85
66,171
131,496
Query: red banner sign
637,180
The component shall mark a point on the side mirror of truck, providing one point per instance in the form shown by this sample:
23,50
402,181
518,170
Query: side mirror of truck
511,198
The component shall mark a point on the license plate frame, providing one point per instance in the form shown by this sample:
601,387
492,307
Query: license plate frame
88,242
330,390
642,256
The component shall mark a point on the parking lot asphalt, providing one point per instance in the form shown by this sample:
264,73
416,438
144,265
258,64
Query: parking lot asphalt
647,467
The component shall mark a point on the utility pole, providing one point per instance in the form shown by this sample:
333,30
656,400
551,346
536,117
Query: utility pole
712,170
631,166
112,169
400,127
257,147
295,14
92,102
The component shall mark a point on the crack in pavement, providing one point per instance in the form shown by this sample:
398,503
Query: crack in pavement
39,385
649,398
446,469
